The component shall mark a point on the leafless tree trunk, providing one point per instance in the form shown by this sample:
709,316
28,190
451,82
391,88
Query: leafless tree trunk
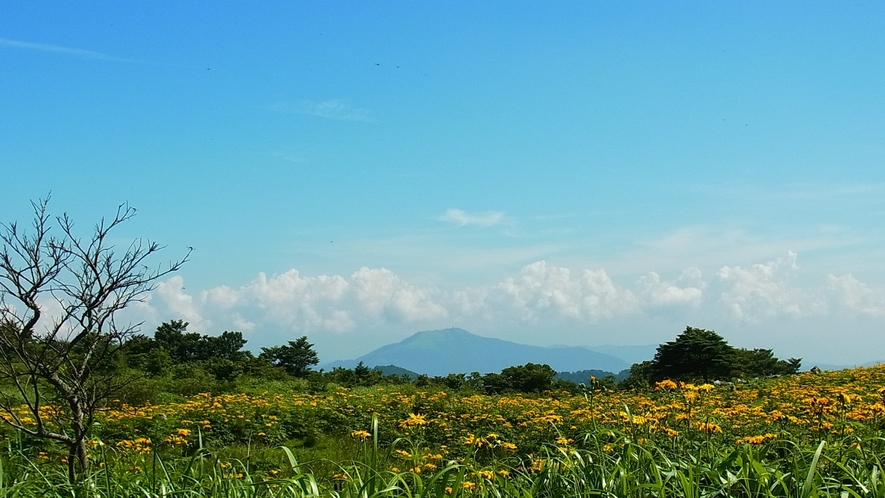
59,295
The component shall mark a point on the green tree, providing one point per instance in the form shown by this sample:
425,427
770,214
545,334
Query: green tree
183,346
296,357
760,363
528,378
222,354
228,346
695,354
64,359
641,376
360,375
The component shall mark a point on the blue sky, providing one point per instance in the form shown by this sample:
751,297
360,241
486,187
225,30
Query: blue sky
573,173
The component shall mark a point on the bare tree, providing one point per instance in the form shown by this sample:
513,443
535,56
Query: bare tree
59,295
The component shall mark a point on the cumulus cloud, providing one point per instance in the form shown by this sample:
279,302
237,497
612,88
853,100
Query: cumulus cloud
483,219
766,290
850,293
687,290
180,305
382,294
542,290
330,109
376,297
538,294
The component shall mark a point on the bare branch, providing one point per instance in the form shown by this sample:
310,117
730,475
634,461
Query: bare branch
68,349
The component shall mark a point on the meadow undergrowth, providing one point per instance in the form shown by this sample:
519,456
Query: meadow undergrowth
802,436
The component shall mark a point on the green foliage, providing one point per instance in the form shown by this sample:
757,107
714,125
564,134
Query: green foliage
295,358
358,469
761,363
695,354
529,378
640,377
184,347
358,376
699,354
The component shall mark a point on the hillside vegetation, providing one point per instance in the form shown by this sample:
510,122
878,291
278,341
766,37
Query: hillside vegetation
798,435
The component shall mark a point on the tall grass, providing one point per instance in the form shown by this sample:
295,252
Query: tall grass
802,436
776,469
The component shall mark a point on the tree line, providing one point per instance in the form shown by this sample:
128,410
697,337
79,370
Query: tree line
181,362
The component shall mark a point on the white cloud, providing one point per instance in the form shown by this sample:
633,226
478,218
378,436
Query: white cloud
765,290
381,294
483,219
299,302
548,291
330,109
376,304
179,305
377,297
658,293
854,295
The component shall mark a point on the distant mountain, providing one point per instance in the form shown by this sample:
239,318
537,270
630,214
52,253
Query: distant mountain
630,354
441,352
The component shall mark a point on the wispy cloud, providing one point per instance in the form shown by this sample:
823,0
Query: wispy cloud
288,156
330,109
463,218
76,52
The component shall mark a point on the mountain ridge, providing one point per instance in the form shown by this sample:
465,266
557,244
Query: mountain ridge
455,350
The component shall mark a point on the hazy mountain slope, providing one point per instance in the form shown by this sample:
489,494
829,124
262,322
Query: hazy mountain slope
440,352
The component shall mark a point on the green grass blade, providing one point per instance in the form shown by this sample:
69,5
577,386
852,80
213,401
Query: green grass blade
809,479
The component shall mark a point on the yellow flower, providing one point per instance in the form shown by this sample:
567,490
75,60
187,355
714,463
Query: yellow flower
709,427
360,434
486,474
413,420
665,384
752,440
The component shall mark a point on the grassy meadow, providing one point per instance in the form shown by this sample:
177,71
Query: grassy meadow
800,435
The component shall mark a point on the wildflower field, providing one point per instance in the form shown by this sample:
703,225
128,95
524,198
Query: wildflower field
800,435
